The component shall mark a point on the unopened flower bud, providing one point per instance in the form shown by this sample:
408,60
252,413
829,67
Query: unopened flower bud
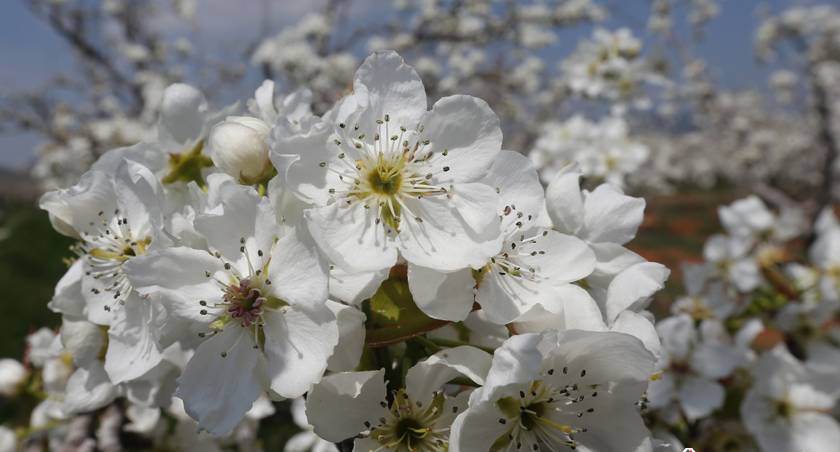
238,146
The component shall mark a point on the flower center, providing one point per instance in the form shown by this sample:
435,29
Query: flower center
538,419
245,301
409,426
384,168
110,243
386,177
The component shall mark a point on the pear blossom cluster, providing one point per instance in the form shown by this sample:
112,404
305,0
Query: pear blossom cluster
603,149
386,267
750,355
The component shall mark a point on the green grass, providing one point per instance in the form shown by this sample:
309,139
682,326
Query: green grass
31,262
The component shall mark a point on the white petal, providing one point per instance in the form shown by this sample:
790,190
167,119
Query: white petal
264,102
297,155
678,335
477,428
389,86
429,375
236,219
217,391
699,397
298,273
631,288
607,356
611,216
132,340
350,237
179,276
353,288
517,361
662,392
297,345
71,210
443,240
516,181
357,393
351,337
572,308
475,203
716,361
639,326
469,131
815,431
67,298
446,296
564,200
88,389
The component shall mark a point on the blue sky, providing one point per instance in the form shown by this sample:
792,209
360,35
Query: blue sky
33,55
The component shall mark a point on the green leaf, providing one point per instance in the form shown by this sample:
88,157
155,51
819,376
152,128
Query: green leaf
387,300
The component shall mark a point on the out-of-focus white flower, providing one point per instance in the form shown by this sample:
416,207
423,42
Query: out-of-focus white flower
603,149
787,409
8,439
693,361
12,377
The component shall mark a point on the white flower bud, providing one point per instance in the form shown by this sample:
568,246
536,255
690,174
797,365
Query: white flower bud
12,376
238,146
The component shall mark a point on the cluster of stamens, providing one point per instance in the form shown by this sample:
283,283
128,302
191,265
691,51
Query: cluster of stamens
244,302
383,170
509,262
533,416
411,427
106,247
244,296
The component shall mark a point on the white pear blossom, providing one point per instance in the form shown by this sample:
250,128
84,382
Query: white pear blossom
693,361
606,219
559,390
416,417
788,409
389,178
254,302
535,265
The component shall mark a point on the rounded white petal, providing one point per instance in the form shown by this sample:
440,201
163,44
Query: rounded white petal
298,273
298,344
633,287
468,129
699,397
222,380
351,337
349,237
358,394
611,216
564,200
446,296
429,375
